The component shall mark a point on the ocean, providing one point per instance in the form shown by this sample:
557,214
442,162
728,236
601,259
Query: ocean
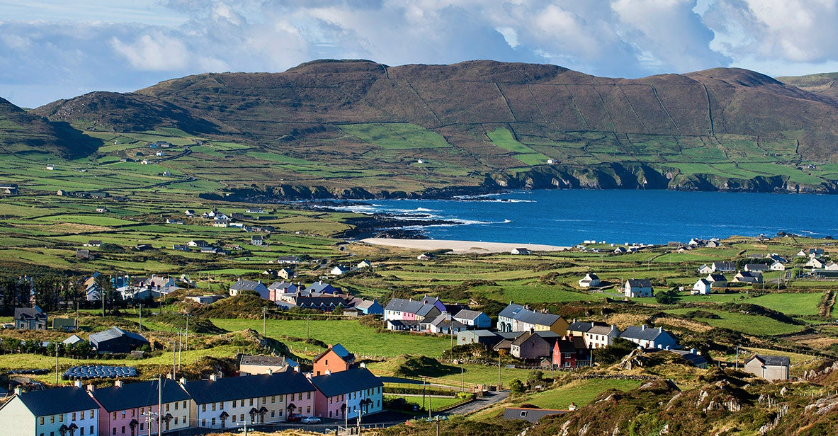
569,217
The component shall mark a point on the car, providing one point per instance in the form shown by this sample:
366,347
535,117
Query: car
295,418
310,420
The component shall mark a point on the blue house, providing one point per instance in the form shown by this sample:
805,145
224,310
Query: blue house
368,307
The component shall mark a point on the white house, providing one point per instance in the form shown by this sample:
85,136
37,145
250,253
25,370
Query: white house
702,286
777,266
705,269
250,285
473,319
338,270
649,337
638,288
590,280
815,263
521,250
50,412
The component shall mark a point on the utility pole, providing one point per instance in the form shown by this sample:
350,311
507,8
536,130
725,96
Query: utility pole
187,331
264,321
180,348
737,357
141,317
174,356
56,362
499,382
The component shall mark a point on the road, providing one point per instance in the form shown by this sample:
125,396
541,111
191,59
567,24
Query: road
488,399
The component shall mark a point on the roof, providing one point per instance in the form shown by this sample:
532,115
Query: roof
524,337
691,357
536,318
59,400
468,314
322,287
409,306
29,312
717,277
640,283
481,333
114,333
75,339
259,360
236,388
281,285
580,326
642,333
246,285
344,382
341,351
142,394
511,310
531,415
768,360
602,329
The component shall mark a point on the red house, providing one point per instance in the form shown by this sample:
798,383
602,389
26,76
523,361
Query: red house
335,359
570,352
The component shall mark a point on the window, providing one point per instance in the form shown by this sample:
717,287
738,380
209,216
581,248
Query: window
175,420
73,418
91,417
113,415
52,419
81,431
234,418
523,413
123,429
272,413
308,395
281,398
42,420
142,426
242,417
273,399
123,414
133,412
176,406
167,407
251,401
308,410
213,422
114,430
184,404
213,406
91,430
203,423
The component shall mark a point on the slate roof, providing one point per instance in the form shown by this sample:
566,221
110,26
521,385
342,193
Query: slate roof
716,278
281,285
323,288
536,318
756,267
72,340
341,351
141,394
771,360
114,333
259,360
425,309
580,326
646,334
402,305
640,283
403,323
59,400
29,313
693,358
252,386
344,382
468,314
245,285
511,310
602,329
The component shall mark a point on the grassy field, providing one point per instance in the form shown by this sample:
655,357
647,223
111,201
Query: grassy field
579,392
748,324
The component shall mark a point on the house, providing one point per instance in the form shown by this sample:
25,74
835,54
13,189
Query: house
831,266
815,263
702,287
84,254
639,288
692,357
413,310
204,299
473,319
815,252
777,266
774,257
520,250
705,269
189,212
8,189
370,307
220,403
756,267
73,340
250,285
255,210
102,209
286,273
323,303
530,414
289,260
59,411
348,394
335,359
590,280
210,250
177,247
93,243
30,318
594,334
724,267
256,240
747,277
338,270
485,337
253,365
277,289
444,323
771,368
529,346
402,325
363,264
506,317
526,320
425,256
717,280
198,243
116,340
570,352
123,408
648,337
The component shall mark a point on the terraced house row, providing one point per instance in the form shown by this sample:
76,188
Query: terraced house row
161,406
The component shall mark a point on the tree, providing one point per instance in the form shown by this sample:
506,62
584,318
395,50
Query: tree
516,387
667,297
614,352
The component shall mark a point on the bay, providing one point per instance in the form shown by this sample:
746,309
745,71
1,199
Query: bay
569,217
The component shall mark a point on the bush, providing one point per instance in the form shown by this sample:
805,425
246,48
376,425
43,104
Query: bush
516,387
614,352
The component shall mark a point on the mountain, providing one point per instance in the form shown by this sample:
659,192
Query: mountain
22,133
359,128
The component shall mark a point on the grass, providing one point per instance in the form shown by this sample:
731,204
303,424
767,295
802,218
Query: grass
434,403
748,324
579,392
396,136
351,334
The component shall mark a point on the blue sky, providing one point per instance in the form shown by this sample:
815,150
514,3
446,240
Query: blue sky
52,49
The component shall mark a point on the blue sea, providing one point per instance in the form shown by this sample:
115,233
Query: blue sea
569,217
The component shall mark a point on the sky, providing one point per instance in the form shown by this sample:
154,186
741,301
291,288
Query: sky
53,49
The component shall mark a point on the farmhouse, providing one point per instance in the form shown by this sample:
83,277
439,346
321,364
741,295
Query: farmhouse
702,287
777,266
529,346
771,368
724,267
33,318
594,334
747,277
756,267
639,288
590,280
520,250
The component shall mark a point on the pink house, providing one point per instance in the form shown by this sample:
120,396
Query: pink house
346,394
131,409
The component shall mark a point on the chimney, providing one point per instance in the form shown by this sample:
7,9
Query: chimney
692,350
660,329
19,390
296,369
574,321
643,327
213,377
118,383
77,383
91,388
183,380
328,372
270,371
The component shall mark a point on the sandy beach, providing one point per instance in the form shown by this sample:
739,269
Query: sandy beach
459,246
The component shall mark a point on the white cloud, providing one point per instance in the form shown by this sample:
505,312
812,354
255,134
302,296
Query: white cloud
154,52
